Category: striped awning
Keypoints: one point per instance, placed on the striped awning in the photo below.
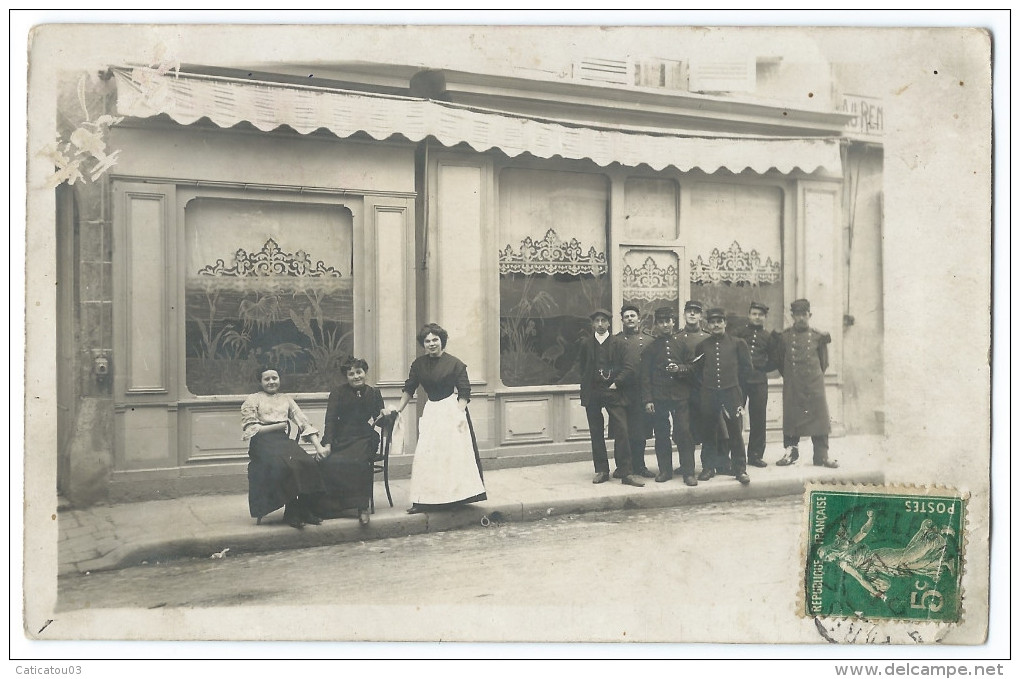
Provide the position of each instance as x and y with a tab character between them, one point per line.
186	98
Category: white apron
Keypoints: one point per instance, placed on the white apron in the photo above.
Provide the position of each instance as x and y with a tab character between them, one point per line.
444	468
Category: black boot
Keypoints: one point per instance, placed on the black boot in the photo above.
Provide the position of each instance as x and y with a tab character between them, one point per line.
292	515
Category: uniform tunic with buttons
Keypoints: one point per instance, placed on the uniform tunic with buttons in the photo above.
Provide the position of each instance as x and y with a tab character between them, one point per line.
802	357
760	344
656	383
724	367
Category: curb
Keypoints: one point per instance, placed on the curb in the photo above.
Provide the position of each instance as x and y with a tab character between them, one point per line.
273	537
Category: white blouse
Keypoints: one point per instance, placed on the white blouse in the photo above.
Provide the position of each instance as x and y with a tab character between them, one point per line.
261	408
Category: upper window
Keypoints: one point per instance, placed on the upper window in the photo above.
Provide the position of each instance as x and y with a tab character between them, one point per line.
553	271
735	249
267	283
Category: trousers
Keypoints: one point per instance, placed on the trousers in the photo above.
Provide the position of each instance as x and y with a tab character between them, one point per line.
621	442
679	412
718	411
757	400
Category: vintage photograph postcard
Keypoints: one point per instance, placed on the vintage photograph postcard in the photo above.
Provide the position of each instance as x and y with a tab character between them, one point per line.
509	333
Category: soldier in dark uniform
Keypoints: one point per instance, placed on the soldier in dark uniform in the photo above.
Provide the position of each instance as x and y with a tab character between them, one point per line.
722	371
802	355
636	340
692	334
760	343
666	389
606	370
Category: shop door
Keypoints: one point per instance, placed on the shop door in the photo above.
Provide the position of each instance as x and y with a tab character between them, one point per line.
653	276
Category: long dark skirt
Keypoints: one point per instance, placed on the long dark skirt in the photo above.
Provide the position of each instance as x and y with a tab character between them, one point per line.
279	471
347	476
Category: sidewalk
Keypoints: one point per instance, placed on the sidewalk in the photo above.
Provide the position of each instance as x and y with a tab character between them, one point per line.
118	536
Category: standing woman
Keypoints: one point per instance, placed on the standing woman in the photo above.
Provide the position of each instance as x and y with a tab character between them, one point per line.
446	468
280	473
351	413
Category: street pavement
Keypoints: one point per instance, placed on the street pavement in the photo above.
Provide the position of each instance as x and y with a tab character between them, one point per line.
108	537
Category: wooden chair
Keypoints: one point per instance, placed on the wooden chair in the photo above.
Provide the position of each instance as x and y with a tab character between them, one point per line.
381	461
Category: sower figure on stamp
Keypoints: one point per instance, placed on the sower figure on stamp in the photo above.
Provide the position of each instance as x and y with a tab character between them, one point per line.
636	341
722	372
802	355
692	335
760	343
605	370
666	390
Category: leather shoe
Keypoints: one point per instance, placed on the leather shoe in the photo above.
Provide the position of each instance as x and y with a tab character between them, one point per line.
363	517
646	473
690	480
633	480
706	474
312	519
743	478
415	509
831	464
662	477
758	463
601	477
617	474
792	455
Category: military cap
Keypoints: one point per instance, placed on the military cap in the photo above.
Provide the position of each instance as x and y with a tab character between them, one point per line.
760	307
664	312
629	307
694	304
716	312
600	312
800	306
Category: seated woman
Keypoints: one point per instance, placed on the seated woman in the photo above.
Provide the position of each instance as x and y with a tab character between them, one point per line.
351	413
280	473
446	471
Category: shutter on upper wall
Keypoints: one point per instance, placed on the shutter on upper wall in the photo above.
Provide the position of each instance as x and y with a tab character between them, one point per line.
723	75
592	69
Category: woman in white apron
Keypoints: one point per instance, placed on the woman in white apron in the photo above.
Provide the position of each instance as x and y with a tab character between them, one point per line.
446	468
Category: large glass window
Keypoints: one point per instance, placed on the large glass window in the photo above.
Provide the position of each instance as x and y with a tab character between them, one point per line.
553	271
734	234
267	283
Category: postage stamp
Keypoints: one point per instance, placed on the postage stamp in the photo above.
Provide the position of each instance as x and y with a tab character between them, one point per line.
884	552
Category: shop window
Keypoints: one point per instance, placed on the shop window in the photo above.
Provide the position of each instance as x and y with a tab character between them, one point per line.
553	271
266	283
734	234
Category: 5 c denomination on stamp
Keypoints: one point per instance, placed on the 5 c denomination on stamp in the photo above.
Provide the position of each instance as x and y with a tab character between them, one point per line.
884	552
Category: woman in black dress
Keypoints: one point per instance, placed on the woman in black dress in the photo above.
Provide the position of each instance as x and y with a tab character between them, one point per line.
446	469
350	435
280	473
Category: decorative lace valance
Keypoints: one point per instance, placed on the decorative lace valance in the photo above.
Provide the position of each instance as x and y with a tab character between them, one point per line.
649	282
735	267
271	261
551	256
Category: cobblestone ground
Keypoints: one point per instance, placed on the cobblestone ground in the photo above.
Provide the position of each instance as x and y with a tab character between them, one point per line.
684	555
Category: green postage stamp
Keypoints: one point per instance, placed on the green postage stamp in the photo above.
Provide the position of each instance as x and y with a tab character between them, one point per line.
884	552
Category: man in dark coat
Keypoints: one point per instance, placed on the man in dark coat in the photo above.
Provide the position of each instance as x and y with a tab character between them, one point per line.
722	371
638	425
802	355
760	343
666	390
606	371
693	334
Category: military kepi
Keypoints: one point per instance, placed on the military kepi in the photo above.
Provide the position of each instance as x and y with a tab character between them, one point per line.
800	306
760	307
716	312
664	312
600	312
693	304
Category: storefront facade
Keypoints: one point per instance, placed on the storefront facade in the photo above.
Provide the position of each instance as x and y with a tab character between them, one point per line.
253	222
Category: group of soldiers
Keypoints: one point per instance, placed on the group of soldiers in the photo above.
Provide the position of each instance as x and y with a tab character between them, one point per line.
690	386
